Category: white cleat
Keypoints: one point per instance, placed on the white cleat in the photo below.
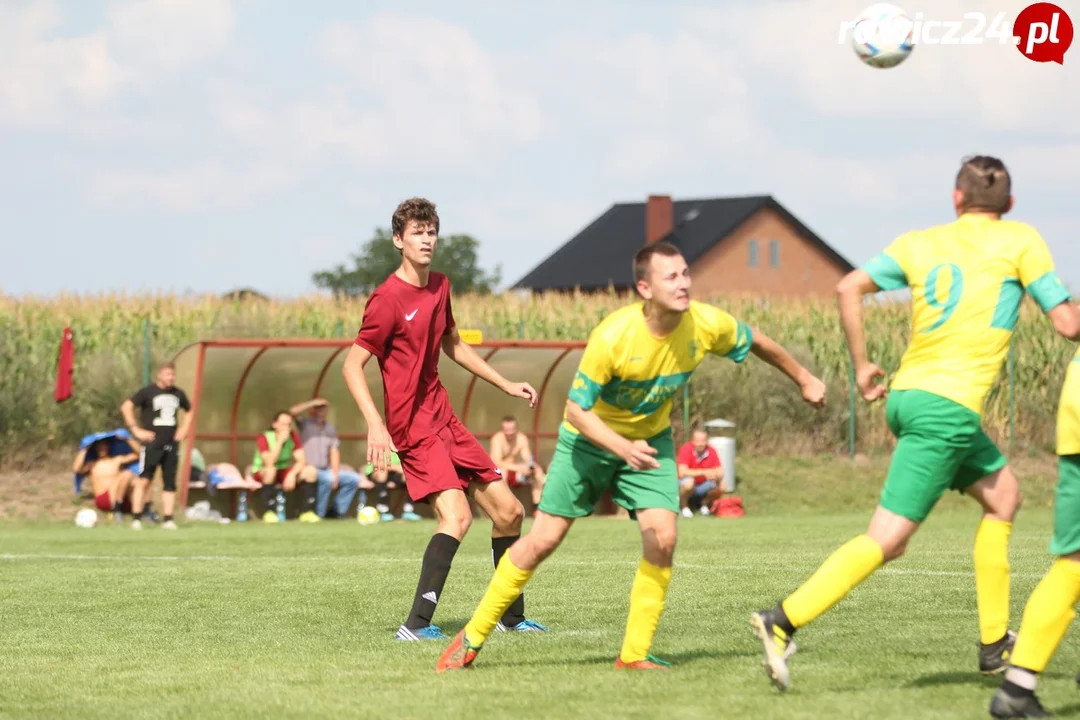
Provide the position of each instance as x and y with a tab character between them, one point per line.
778	649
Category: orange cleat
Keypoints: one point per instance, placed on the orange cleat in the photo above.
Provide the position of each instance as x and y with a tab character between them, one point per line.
649	663
458	656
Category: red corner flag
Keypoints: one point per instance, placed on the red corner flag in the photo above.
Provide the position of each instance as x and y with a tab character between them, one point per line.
64	367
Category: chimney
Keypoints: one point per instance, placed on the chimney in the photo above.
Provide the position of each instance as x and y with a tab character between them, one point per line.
659	217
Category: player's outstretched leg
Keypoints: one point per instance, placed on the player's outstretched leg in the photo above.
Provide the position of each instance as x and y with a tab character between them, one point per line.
999	494
506	513
845	569
1050	609
512	574
454	518
649	591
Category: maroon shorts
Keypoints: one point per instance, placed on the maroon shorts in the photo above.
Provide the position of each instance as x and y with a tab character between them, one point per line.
102	501
451	459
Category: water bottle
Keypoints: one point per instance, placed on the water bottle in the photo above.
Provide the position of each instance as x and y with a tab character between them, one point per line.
280	506
241	509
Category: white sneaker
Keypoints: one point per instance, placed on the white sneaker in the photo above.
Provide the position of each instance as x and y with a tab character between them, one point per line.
168	525
136	524
687	513
704	510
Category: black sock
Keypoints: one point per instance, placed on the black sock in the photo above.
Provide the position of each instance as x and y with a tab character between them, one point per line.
270	496
167	518
118	506
309	496
436	566
516	612
1011	688
382	498
780	618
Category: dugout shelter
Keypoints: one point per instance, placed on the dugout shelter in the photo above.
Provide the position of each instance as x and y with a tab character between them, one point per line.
237	385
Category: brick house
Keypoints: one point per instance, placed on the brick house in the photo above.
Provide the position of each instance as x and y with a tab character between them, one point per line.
733	245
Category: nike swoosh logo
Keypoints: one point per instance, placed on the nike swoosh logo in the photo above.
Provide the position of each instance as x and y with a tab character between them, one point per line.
410	316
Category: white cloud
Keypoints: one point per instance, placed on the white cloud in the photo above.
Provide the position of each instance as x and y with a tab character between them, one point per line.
208	185
44	79
991	84
171	34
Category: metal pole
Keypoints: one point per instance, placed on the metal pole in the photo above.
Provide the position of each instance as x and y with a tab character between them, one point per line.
851	411
686	409
521	329
339	330
146	352
1012	395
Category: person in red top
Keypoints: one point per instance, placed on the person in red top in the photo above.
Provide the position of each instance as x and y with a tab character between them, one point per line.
700	473
408	320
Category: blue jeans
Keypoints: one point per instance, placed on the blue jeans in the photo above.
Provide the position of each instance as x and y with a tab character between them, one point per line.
348	483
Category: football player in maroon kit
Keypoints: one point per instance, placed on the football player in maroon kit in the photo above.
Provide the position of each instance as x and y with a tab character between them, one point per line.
407	321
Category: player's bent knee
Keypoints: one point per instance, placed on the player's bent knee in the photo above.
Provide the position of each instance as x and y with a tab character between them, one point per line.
508	519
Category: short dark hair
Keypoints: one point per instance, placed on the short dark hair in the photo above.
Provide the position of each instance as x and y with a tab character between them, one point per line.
986	184
509	418
168	365
279	413
419	209
644	256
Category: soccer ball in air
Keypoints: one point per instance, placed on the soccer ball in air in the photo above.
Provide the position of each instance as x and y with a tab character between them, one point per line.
883	36
367	516
86	518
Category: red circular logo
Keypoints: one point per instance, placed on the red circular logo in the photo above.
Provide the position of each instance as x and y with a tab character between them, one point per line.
1043	33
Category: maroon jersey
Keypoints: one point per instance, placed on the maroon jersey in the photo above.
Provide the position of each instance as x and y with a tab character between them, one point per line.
403	327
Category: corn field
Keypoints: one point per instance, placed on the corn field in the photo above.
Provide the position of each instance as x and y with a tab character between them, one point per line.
771	418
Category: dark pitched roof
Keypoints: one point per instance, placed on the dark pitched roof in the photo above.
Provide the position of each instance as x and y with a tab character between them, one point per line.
602	253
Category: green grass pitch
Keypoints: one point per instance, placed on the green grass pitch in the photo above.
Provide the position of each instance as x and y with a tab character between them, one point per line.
297	621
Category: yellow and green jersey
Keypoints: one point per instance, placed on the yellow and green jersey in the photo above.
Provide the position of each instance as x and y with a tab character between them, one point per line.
967	280
629	377
1068	417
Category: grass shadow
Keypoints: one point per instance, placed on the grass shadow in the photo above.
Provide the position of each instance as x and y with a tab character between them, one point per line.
677	659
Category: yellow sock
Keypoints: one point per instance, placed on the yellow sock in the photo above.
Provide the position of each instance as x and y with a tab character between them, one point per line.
1047	615
504	588
992	578
852	563
646	604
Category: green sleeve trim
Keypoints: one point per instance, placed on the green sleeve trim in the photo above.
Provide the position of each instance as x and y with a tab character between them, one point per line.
886	273
744	341
1049	291
584	391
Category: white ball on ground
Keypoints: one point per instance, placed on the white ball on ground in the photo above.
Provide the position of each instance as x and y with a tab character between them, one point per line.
86	518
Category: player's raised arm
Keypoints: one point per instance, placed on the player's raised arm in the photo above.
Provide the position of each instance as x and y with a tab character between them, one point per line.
1040	279
767	349
463	354
849	300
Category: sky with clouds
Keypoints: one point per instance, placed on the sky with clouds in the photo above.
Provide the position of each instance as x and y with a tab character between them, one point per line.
203	145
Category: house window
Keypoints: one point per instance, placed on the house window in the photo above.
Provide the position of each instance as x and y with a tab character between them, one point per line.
774	253
753	253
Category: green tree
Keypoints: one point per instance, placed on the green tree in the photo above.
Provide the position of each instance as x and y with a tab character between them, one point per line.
455	256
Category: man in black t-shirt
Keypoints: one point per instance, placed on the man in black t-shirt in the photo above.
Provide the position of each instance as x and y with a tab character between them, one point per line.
161	436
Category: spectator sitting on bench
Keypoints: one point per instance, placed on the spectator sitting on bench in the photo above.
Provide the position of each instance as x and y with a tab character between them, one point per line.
279	458
108	478
510	452
322	448
393	478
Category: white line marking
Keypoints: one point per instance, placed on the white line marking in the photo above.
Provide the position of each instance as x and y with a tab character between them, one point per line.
360	560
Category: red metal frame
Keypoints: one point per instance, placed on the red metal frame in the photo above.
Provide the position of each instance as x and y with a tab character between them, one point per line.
193	428
338	345
322	373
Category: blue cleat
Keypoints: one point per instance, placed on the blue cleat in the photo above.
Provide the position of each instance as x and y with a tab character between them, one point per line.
387	517
523	626
425	633
410	516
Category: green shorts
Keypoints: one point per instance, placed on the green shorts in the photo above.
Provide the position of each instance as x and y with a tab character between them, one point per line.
580	473
1066	538
941	446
